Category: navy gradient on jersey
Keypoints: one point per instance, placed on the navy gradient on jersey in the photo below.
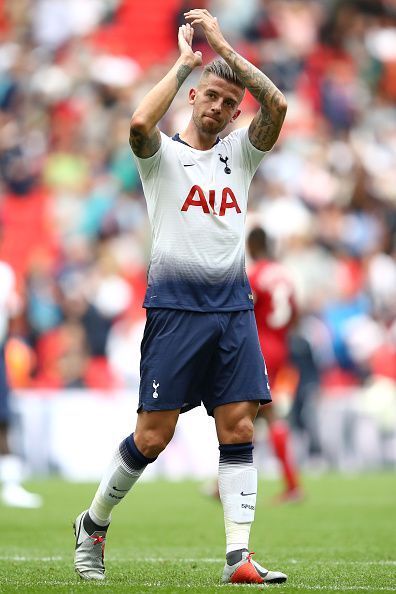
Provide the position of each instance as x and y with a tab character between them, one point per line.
194	296
189	358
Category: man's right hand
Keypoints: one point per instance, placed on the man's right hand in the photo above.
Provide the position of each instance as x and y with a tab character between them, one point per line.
145	137
185	37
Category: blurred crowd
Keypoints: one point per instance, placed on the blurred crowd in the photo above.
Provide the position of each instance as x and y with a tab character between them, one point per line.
72	213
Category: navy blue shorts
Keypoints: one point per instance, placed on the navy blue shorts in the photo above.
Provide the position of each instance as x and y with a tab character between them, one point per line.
189	358
4	390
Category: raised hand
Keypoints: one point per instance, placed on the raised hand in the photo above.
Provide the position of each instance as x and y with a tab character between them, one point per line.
185	38
265	127
209	24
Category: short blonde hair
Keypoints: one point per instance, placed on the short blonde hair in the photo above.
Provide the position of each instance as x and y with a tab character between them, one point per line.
221	69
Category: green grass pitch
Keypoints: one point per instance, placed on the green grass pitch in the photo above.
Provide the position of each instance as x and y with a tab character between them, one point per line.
168	538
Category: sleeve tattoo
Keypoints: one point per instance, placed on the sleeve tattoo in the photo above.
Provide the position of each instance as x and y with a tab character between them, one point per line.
266	125
181	75
144	146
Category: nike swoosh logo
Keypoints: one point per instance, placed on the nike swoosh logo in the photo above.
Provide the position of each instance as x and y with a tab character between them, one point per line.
120	490
78	544
189	165
244	494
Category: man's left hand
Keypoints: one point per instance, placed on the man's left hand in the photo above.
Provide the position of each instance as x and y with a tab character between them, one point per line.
210	26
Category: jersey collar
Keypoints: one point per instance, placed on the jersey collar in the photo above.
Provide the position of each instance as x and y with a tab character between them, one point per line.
177	138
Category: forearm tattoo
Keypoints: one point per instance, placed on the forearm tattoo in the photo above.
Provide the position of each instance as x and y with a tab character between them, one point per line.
265	127
181	74
144	145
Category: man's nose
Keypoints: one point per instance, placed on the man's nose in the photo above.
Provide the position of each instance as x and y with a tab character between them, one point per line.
216	106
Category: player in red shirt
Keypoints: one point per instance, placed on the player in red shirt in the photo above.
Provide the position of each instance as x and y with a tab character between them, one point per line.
276	312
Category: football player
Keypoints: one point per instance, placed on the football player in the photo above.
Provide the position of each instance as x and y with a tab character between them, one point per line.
12	492
200	343
276	312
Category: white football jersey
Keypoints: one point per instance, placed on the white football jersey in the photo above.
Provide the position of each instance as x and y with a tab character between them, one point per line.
197	202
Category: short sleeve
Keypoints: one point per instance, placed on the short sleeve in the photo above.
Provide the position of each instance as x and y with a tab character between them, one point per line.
251	156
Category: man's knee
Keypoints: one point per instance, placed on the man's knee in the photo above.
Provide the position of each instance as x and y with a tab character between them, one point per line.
234	422
239	431
244	430
154	430
151	442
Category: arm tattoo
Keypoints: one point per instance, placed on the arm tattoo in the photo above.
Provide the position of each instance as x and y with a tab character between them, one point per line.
146	143
264	130
144	146
181	75
265	127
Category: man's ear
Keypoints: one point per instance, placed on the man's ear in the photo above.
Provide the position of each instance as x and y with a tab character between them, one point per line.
191	96
236	114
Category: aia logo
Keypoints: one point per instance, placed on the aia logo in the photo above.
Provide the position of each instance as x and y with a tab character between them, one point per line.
196	197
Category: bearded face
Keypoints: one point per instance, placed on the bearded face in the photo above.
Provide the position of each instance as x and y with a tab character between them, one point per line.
215	104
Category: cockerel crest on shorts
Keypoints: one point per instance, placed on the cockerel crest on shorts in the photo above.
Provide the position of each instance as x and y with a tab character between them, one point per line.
155	386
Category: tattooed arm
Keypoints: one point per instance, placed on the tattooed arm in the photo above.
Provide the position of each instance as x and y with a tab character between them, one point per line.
265	127
267	123
144	136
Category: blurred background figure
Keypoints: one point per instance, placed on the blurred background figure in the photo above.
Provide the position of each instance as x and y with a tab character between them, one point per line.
11	465
276	313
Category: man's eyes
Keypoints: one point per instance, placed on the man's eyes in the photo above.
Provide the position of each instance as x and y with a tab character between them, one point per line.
211	95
